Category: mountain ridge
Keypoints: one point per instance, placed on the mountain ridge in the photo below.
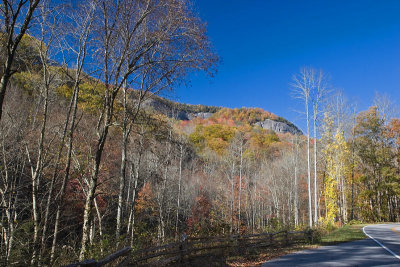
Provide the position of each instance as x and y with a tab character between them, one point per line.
256	116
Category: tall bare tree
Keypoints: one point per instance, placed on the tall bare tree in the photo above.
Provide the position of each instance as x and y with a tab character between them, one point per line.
386	107
78	37
295	153
15	19
301	88
319	92
47	27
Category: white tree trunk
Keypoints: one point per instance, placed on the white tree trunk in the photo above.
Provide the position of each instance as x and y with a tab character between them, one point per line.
310	217
315	168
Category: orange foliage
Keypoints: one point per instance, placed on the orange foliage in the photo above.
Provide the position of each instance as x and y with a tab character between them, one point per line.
245	115
145	200
394	130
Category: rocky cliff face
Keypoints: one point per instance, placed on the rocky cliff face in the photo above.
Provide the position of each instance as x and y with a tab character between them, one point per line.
278	127
179	111
202	115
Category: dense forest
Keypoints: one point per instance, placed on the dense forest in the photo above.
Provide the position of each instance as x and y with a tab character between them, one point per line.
86	168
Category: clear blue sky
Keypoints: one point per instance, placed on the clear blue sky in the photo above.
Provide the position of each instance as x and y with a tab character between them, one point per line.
262	43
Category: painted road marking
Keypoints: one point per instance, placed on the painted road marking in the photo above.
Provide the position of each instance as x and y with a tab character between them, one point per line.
380	244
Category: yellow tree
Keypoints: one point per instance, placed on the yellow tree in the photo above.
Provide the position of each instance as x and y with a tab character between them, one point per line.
330	185
342	169
335	152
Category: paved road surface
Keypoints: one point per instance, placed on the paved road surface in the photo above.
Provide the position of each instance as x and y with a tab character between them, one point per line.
365	252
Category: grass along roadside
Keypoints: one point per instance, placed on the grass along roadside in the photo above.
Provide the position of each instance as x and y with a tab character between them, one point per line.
343	234
346	233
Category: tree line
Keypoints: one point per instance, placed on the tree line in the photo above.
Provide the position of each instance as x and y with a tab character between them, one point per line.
355	154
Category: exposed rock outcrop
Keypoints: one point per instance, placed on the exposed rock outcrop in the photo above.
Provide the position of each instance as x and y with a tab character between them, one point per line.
202	115
179	111
278	127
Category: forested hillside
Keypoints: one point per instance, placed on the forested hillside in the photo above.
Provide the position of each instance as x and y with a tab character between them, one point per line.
92	159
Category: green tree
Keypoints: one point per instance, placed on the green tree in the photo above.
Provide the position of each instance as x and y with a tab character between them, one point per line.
377	165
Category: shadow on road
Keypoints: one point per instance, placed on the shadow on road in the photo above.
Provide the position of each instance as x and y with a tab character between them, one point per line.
358	253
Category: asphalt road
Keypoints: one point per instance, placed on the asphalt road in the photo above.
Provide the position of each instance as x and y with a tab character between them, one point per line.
382	248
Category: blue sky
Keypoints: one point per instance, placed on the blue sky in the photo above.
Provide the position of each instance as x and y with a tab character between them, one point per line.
262	43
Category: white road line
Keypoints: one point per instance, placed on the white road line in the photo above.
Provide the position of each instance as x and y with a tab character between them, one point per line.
380	244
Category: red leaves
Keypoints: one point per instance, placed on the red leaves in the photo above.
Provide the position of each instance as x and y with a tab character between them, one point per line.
200	214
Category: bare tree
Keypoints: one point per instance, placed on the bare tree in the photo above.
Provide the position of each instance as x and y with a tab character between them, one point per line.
182	152
135	163
13	163
239	146
229	170
302	87
295	153
43	46
77	43
16	18
386	107
319	92
311	87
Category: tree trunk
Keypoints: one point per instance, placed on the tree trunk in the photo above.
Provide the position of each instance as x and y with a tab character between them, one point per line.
36	173
131	221
87	214
53	180
67	164
310	217
296	196
232	195
240	184
11	20
179	191
315	167
125	135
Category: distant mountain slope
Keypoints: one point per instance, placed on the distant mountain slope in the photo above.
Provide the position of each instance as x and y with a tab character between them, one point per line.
252	116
